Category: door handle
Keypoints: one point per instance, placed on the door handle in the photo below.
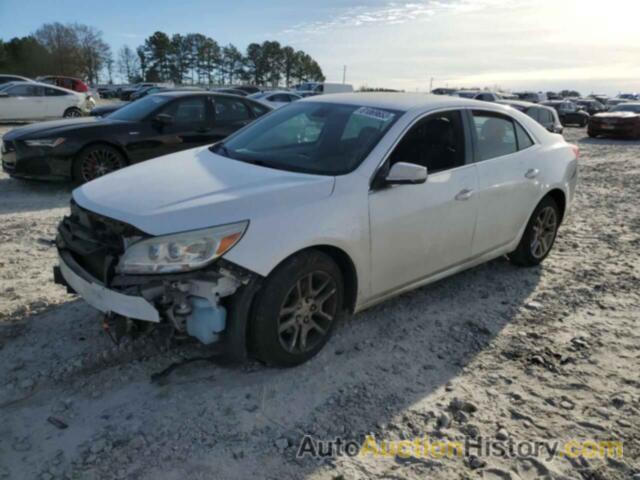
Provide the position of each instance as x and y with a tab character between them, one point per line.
465	194
532	173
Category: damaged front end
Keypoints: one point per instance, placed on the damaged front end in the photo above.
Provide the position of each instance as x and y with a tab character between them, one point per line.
93	253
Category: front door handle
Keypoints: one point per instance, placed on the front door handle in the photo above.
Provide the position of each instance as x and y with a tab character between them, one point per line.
532	173
465	194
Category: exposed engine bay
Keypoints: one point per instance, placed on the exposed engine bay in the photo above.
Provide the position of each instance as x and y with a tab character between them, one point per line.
193	303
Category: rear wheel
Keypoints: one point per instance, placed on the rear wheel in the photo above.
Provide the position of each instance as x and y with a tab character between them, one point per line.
539	236
72	112
96	161
297	310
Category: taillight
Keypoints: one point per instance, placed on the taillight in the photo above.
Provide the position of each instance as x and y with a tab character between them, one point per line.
576	151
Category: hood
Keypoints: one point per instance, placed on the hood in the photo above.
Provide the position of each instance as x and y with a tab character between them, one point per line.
197	189
104	109
616	115
56	127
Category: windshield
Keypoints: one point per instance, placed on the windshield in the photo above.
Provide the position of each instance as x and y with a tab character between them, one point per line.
635	108
311	137
137	110
4	86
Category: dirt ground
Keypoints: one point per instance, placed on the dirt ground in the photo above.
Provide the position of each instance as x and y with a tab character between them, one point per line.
550	353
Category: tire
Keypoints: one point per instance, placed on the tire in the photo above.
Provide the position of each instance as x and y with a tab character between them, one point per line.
291	323
96	161
72	112
591	134
533	247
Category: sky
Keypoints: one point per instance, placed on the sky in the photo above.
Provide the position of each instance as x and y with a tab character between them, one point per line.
589	45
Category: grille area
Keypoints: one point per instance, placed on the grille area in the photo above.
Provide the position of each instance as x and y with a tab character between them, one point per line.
96	242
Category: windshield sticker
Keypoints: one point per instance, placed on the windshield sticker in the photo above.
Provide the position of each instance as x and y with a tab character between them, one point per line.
369	112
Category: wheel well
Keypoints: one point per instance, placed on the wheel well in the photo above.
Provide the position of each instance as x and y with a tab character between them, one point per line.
560	199
347	268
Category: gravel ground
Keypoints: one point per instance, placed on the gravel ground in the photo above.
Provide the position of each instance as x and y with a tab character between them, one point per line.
549	353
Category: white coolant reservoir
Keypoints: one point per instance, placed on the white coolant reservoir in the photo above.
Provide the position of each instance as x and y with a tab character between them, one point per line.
206	321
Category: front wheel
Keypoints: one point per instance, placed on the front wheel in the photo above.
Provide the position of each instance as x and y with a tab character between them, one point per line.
297	309
539	235
72	113
96	161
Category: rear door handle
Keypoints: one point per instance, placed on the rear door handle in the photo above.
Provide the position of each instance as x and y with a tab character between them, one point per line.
465	194
532	173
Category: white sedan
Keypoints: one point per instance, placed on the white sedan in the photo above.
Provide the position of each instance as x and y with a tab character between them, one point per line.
275	98
329	205
21	101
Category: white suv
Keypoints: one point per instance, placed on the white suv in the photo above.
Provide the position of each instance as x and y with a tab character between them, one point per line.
328	205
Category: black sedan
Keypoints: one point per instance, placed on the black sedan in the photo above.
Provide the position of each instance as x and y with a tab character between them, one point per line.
569	112
86	148
592	107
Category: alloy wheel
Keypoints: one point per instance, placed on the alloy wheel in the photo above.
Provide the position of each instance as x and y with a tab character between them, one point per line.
73	113
99	162
307	312
544	232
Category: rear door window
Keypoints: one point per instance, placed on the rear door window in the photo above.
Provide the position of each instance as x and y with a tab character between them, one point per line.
535	113
187	113
495	134
54	92
25	91
546	117
230	111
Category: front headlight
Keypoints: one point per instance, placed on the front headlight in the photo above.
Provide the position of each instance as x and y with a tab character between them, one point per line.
45	142
181	252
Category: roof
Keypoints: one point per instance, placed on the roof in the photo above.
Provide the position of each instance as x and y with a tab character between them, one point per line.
189	93
183	93
39	84
519	103
396	100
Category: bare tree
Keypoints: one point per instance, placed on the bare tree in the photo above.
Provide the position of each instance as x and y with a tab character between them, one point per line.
62	42
75	49
92	50
128	63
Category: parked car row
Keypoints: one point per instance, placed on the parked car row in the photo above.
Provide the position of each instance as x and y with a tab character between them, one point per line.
87	148
604	116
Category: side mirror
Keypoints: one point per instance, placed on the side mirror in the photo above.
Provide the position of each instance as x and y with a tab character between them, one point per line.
403	173
163	119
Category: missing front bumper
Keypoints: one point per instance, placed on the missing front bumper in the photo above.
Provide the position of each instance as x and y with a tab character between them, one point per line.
102	298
